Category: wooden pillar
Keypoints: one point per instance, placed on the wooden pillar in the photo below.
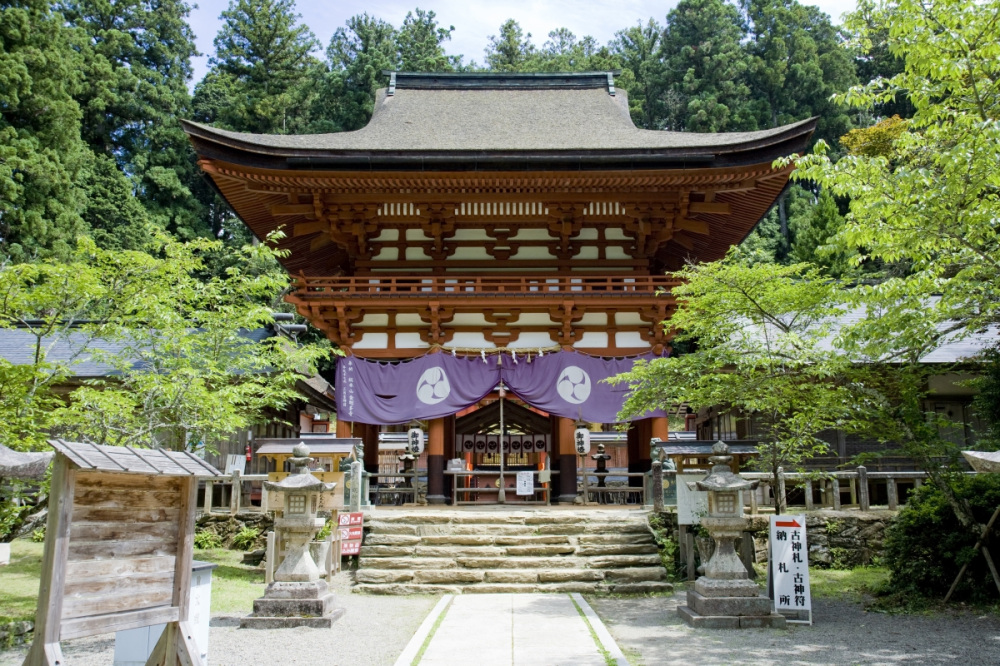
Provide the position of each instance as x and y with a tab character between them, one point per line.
567	459
435	462
344	429
659	427
890	486
863	502
449	451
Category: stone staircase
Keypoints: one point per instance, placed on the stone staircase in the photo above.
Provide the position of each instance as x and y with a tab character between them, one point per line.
546	550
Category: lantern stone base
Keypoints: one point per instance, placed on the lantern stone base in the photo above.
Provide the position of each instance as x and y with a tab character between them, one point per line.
729	612
294	604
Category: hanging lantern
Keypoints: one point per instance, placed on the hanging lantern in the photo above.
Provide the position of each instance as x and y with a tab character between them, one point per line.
582	439
415	441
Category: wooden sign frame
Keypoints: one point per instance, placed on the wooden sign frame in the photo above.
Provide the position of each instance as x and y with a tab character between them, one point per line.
118	548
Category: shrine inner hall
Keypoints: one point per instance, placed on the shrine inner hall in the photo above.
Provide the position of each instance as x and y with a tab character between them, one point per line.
488	228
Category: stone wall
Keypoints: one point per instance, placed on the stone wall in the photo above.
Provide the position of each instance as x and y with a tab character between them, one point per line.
837	539
227	526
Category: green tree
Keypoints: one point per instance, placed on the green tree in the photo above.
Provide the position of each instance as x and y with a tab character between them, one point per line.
761	333
196	370
814	236
358	54
637	49
705	68
511	50
137	64
420	44
262	61
116	218
41	155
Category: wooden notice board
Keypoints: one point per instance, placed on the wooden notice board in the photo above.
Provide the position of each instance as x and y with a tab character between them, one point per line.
118	548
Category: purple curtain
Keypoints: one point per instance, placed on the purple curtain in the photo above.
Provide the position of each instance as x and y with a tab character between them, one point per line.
427	387
569	384
565	384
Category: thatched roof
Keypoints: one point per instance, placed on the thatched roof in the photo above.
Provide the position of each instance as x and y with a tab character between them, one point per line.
535	116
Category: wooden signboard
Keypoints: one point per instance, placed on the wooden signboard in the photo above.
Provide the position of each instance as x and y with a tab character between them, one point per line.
118	548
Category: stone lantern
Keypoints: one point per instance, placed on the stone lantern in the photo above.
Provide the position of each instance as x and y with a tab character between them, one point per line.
602	459
299	596
725	597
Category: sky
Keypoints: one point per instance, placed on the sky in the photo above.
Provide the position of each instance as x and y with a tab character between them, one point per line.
474	20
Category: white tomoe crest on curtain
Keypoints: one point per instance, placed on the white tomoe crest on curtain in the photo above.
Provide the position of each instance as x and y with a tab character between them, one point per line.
573	385
433	386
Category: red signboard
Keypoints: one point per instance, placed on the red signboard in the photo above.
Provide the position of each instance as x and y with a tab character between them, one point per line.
351	531
349	519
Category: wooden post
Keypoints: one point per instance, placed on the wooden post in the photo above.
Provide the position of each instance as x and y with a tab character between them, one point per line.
917	483
853	481
270	553
436	461
583	473
747	554
782	500
45	647
235	493
835	485
209	489
692	573
863	488
753	502
890	486
657	486
809	495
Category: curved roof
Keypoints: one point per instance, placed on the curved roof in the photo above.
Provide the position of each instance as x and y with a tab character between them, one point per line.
482	117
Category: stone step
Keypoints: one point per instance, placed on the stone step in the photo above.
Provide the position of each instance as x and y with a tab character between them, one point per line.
596	587
598	550
607	562
624	539
463	576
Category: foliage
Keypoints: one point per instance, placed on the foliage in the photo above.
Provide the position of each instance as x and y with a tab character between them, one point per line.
20	582
705	68
667	546
263	57
925	547
987	400
855	584
38	535
814	233
41	154
760	332
246	538
205	540
933	202
197	369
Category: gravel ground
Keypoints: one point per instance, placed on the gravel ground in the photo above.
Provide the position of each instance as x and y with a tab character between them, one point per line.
372	632
650	633
375	630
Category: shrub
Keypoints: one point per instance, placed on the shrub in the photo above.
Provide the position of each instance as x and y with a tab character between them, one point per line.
205	540
246	538
38	536
926	546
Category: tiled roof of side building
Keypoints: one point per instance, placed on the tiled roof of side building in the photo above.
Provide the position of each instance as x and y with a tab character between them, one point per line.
506	117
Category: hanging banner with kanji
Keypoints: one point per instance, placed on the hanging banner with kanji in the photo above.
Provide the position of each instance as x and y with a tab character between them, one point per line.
790	567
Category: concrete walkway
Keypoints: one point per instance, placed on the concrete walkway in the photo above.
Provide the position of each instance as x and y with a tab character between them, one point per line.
512	630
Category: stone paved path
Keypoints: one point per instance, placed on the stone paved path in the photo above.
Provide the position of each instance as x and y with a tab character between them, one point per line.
513	629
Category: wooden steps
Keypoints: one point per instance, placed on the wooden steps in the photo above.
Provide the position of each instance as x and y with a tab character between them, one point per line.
545	550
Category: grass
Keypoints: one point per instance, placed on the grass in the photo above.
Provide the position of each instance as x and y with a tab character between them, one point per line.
430	635
847	584
593	634
19	591
234	584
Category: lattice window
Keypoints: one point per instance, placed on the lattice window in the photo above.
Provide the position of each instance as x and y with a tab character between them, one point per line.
296	504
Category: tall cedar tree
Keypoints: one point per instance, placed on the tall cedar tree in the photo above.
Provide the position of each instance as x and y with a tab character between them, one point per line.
137	57
637	49
357	55
260	70
41	154
705	68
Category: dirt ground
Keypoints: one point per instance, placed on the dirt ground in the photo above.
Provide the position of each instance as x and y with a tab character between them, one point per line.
650	633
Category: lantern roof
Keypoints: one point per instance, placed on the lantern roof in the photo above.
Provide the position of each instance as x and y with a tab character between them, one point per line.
721	478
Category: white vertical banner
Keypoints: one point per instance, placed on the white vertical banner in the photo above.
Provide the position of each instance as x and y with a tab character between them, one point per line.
789	564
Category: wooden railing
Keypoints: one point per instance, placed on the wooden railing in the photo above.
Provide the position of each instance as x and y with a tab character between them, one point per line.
386	285
235	483
613	494
860	482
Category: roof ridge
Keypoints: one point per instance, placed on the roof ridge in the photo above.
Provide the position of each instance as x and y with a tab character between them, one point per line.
501	80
